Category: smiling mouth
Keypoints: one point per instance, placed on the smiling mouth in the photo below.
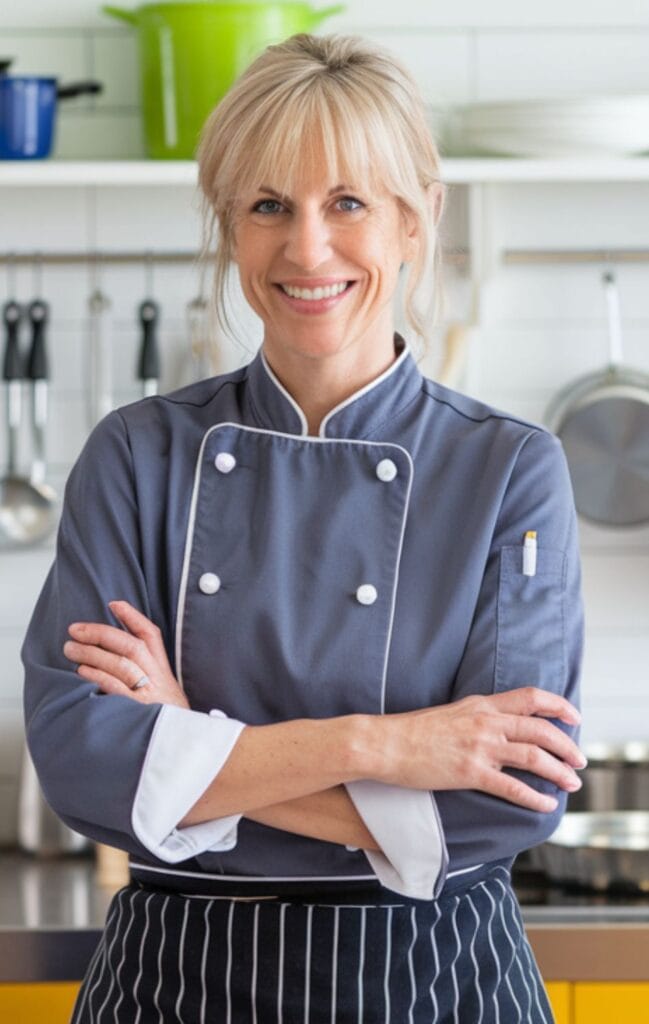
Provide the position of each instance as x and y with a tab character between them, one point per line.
330	291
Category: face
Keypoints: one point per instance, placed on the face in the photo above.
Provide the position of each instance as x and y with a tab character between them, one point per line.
320	266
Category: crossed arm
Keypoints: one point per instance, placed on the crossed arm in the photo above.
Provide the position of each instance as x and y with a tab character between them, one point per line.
291	775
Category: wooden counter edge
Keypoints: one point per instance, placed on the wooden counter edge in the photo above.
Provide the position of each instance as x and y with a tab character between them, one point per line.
588	952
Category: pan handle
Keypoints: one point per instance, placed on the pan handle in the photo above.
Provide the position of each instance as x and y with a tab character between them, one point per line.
38	373
66	92
614	318
12	372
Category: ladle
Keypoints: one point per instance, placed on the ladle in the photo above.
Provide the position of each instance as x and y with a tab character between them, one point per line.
27	507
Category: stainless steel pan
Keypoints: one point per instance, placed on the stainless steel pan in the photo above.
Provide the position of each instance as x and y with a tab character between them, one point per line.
603	422
598	849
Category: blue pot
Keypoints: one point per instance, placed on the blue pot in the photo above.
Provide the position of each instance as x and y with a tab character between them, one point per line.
28	113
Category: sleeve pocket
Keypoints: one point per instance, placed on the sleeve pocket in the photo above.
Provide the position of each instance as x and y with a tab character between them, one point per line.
530	647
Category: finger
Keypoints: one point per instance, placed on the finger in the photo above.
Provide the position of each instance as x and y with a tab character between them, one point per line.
140	626
127	671
106	682
110	638
516	791
530	700
544	734
531	758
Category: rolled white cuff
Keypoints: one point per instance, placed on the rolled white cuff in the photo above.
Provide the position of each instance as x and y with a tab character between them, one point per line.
186	752
413	859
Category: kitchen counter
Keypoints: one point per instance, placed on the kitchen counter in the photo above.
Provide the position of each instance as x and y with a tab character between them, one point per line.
52	912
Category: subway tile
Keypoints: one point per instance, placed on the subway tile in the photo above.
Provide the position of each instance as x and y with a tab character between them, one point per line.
616	591
115	64
63	56
99	135
29	566
535	65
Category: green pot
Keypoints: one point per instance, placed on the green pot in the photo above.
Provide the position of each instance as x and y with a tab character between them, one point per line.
191	53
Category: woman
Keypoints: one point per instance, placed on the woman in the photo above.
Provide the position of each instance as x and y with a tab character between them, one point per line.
322	726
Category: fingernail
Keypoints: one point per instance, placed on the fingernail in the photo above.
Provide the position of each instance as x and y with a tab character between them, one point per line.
573	783
75	627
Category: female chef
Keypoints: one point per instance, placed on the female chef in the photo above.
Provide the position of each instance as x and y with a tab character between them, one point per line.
309	647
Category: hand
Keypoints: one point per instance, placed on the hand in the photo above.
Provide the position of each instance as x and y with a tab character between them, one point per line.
117	659
466	744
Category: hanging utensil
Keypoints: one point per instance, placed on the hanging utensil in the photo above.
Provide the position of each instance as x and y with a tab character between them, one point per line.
149	359
27	514
202	357
100	362
603	421
38	373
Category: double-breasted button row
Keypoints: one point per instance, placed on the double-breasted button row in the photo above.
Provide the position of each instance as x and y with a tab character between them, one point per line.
366	594
209	583
386	469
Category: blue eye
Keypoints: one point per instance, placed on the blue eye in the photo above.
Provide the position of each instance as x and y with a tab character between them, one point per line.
267	206
348	204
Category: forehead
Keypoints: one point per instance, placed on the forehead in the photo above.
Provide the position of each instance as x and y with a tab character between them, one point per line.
313	161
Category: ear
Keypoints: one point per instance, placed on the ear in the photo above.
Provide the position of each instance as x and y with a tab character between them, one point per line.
410	235
436	194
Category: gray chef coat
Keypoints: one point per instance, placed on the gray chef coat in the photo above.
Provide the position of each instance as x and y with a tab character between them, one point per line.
374	568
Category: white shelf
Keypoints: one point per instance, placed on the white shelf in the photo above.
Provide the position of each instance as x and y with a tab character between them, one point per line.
116	173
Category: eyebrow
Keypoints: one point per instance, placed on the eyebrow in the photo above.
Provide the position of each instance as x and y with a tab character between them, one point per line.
278	195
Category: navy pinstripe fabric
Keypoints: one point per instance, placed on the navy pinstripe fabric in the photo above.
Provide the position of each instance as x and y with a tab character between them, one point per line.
167	958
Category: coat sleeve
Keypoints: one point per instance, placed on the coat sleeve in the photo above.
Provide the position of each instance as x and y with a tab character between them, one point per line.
115	770
526	631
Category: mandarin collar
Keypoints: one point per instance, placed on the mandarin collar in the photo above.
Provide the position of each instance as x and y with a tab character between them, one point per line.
356	417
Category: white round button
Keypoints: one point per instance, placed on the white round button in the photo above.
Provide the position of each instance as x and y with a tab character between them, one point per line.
366	594
209	583
225	462
386	470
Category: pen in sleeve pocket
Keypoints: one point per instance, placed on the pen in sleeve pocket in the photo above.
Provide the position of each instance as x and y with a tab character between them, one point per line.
529	553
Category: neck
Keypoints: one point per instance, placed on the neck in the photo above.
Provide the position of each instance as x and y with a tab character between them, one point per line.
319	384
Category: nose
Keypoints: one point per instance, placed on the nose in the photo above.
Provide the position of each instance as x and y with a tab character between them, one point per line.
309	243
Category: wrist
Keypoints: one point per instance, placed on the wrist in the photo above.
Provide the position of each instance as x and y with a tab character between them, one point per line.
366	747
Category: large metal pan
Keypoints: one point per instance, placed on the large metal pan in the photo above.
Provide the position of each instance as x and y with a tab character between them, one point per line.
616	778
603	422
598	849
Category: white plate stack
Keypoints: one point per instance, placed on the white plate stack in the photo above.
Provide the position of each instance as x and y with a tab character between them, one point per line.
588	126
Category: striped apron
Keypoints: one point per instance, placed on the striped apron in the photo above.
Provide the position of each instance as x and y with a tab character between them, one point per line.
463	958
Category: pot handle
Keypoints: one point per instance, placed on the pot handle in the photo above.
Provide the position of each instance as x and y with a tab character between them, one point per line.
614	320
327	12
66	92
119	12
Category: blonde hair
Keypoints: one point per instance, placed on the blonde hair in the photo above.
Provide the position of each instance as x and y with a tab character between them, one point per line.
340	96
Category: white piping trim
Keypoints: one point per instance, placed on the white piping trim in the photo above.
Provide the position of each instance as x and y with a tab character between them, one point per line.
278	384
341	405
395	582
362	391
273	878
305	439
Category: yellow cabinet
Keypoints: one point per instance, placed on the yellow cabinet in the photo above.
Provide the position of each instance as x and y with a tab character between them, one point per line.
559	994
36	1003
602	1002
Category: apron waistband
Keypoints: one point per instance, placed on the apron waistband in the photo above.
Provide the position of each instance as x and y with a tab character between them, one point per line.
364	891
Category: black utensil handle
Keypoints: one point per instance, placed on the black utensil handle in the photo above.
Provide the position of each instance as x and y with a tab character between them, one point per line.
149	361
66	92
12	364
37	362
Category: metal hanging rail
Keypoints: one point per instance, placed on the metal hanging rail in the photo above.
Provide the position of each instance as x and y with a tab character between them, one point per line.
575	255
17	259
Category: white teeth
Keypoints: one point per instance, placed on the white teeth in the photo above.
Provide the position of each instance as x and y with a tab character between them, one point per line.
313	294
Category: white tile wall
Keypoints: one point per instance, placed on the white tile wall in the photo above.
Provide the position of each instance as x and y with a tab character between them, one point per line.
542	326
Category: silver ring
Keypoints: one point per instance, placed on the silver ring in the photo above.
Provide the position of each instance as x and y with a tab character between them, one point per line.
142	681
